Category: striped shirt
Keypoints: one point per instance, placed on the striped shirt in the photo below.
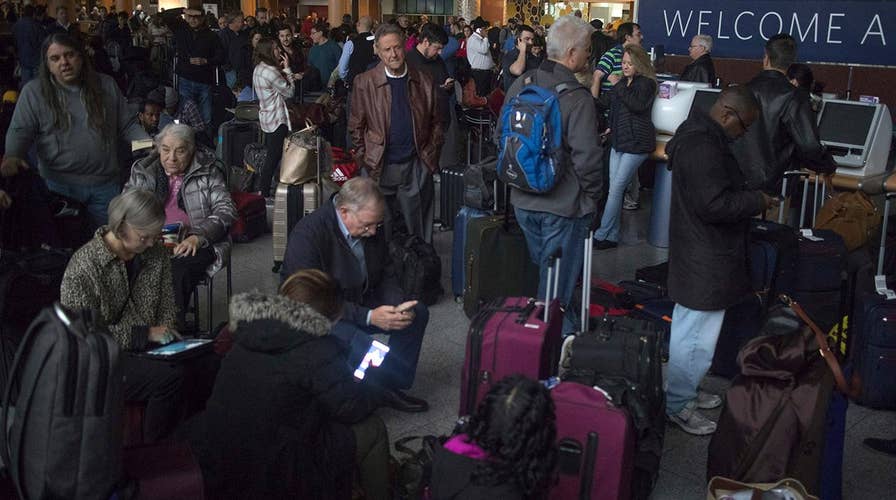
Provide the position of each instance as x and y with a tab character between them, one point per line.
610	64
272	89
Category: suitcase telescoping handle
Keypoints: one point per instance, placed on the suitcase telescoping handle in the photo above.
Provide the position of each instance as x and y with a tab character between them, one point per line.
550	289
587	472
586	281
787	175
883	234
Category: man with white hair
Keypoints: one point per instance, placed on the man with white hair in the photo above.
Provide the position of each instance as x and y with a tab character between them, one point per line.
701	68
561	218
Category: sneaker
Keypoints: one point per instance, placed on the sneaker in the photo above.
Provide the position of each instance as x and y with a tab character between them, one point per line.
692	422
707	401
605	244
630	205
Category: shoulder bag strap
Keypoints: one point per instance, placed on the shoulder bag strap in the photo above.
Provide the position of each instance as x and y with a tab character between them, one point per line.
823	349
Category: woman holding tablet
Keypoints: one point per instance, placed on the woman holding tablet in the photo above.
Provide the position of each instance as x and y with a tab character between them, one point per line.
124	274
286	418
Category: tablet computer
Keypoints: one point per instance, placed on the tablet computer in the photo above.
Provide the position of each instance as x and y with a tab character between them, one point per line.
180	349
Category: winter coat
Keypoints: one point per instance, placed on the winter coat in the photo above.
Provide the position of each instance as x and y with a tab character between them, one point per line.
786	135
96	279
582	185
452	479
631	125
317	242
277	422
700	70
710	217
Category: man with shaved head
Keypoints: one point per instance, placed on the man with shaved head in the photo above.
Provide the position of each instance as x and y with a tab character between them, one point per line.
711	210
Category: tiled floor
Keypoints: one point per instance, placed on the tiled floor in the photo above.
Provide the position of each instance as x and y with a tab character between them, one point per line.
866	475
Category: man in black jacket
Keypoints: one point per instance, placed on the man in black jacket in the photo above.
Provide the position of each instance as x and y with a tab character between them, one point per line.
237	51
787	135
707	247
199	53
425	57
701	68
342	238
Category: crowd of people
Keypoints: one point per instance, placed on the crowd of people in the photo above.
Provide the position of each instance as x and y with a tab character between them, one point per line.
86	95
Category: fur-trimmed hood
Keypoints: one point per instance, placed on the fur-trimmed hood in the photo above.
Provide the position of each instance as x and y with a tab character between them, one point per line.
262	322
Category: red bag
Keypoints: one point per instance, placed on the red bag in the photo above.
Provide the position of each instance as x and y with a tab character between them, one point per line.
251	219
344	166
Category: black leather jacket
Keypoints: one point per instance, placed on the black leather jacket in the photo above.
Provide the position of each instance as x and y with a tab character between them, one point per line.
700	70
786	135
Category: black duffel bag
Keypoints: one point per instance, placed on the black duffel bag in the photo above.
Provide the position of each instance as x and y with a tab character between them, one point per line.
418	267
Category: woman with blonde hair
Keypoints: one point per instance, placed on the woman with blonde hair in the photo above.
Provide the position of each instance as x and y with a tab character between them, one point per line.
632	135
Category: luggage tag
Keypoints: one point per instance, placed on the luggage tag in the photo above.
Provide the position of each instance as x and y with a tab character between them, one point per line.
880	284
807	233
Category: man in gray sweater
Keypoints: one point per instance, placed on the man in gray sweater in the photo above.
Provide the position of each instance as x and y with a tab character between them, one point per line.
76	119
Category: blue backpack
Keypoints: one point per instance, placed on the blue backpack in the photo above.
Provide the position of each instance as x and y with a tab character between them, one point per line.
531	155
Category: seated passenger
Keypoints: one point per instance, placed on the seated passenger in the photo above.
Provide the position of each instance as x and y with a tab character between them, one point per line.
342	239
286	418
506	451
124	275
194	193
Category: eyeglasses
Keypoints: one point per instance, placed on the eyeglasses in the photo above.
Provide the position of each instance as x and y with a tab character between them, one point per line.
366	228
737	115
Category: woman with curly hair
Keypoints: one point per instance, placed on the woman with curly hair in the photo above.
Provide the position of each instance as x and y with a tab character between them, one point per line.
507	449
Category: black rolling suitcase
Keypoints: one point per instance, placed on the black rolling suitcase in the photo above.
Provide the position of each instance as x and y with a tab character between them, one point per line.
451	194
233	137
874	350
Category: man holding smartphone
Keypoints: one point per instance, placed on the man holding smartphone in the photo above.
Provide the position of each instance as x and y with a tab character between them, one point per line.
343	239
425	57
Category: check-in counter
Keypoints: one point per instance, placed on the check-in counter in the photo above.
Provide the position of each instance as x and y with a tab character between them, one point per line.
661	208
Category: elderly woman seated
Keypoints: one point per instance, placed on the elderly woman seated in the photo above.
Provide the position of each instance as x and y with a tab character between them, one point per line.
124	275
194	193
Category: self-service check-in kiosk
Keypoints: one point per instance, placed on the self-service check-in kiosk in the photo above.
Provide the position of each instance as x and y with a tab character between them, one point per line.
667	115
857	134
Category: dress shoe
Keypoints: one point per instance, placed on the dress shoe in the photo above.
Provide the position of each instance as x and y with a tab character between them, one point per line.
402	402
605	244
885	446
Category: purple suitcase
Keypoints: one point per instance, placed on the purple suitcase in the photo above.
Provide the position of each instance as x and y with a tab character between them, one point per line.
597	444
509	336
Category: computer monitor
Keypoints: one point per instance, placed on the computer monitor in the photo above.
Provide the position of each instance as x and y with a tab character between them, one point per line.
857	134
704	99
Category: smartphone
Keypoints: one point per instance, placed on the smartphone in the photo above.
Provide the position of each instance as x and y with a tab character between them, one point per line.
406	306
375	356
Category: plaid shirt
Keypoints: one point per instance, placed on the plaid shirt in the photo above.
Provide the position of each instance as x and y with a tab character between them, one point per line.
272	90
190	115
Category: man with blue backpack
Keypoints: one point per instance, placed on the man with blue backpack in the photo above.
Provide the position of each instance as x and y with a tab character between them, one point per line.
549	153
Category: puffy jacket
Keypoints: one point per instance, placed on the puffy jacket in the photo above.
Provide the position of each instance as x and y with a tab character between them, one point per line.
203	195
277	423
371	107
786	134
631	126
710	217
700	70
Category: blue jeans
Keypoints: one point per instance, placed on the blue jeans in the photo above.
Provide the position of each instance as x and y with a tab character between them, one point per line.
545	233
200	93
623	166
691	346
400	366
95	196
230	78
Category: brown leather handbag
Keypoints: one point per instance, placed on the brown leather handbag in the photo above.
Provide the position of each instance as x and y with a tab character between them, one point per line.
852	215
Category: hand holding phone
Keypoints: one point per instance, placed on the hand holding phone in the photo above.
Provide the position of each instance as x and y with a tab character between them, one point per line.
375	356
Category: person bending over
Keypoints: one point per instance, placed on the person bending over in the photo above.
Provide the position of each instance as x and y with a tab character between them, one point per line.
286	418
124	275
